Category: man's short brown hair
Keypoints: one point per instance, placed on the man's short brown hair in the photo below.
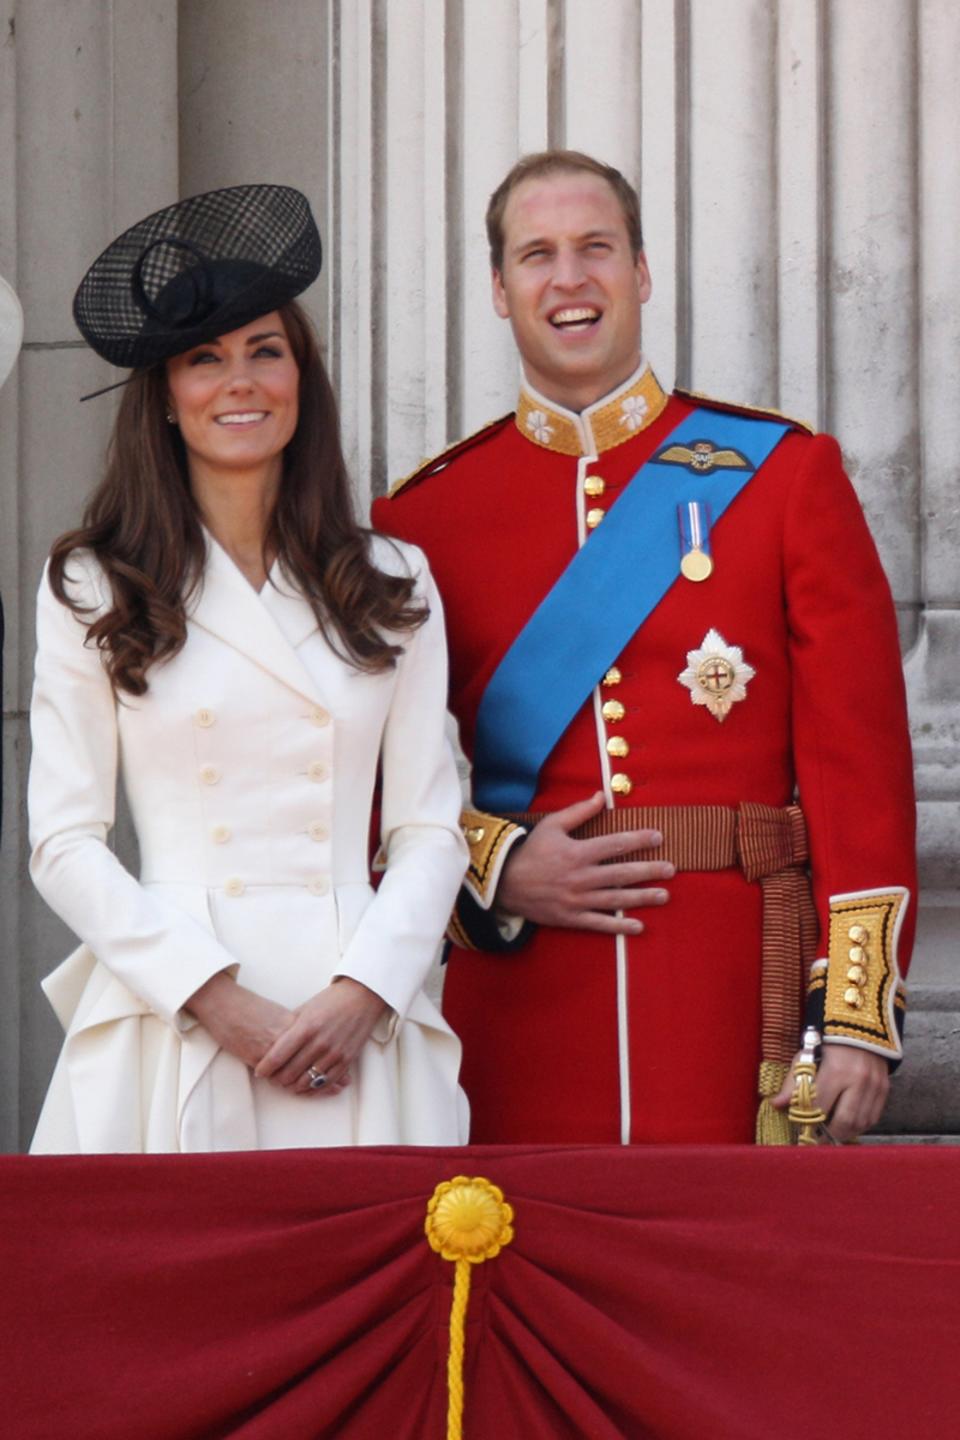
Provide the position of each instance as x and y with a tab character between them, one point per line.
560	162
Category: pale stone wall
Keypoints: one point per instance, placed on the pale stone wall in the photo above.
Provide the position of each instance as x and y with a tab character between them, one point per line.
796	164
88	128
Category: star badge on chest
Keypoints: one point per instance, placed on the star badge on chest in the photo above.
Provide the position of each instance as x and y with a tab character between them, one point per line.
716	675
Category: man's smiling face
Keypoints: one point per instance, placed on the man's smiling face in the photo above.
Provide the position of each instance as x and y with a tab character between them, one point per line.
571	287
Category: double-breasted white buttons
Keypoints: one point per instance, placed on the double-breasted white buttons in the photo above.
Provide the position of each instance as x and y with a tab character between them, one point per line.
318	831
204	718
209	775
234	887
319	885
220	834
319	716
317	771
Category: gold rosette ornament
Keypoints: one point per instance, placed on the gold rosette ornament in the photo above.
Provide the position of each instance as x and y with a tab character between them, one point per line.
468	1221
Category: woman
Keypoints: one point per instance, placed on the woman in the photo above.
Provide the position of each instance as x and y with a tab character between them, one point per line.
221	629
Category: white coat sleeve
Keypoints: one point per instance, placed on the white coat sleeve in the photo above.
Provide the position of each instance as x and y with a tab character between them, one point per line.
396	940
160	953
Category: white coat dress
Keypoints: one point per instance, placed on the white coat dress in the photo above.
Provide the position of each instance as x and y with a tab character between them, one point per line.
249	767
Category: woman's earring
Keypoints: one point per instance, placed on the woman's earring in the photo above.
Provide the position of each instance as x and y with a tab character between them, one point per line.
171	418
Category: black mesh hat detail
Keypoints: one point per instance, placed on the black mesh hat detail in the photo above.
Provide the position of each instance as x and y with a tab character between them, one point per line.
196	270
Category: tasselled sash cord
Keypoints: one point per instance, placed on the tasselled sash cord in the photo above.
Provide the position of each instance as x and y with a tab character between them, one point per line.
769	845
773	849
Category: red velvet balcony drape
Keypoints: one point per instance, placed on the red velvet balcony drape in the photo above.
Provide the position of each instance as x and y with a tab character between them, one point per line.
675	1294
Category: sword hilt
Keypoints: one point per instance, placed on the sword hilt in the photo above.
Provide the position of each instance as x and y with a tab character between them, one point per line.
805	1111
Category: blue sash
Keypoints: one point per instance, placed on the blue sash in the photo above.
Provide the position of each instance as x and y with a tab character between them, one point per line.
611	585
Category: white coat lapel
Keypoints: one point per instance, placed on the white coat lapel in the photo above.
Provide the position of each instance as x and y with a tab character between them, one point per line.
229	607
287	608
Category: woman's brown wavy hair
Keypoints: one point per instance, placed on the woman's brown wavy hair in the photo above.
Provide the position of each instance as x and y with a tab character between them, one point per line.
143	525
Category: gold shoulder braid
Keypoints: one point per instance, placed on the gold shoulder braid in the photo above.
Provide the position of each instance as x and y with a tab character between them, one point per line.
437	462
761	412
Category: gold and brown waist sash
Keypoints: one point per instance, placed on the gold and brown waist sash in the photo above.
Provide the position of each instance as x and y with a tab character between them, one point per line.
768	845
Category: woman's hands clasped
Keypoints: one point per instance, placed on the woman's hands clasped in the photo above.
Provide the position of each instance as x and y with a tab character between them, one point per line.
320	1038
241	1021
324	1037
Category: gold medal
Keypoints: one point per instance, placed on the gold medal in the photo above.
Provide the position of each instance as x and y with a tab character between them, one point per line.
696	565
696	562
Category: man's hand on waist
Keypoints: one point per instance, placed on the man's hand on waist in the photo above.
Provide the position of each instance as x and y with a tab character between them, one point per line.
553	879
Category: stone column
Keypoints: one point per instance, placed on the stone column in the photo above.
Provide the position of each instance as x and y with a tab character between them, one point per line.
251	91
927	1093
89	113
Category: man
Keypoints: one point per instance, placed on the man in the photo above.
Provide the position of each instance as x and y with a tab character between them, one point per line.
668	655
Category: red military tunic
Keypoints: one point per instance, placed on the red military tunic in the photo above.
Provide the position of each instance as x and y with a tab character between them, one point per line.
580	1036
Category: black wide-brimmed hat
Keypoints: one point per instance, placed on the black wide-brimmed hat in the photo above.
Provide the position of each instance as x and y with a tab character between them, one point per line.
196	270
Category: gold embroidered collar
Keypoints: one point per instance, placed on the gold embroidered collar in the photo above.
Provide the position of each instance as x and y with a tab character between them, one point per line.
608	422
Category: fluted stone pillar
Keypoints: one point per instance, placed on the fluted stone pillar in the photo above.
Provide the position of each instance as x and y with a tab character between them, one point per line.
927	1095
250	92
10	880
88	144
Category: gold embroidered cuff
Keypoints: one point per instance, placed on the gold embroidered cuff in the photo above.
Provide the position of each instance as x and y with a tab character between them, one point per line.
489	839
862	989
457	933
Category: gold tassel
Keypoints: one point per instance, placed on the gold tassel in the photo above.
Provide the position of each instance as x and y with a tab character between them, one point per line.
773	1127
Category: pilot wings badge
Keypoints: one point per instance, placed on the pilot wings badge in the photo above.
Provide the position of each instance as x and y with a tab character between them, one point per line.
716	675
702	456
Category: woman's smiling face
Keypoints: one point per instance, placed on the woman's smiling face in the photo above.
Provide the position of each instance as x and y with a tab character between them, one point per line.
236	398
